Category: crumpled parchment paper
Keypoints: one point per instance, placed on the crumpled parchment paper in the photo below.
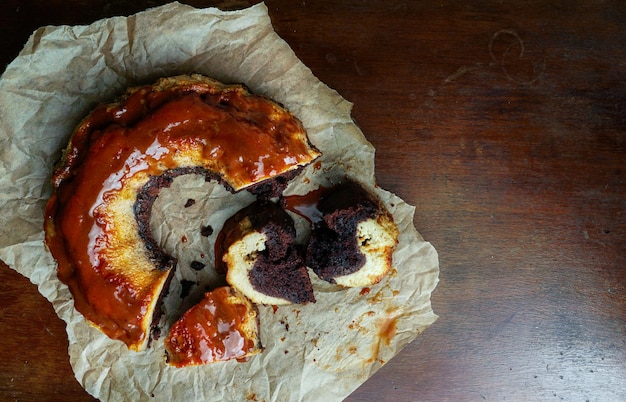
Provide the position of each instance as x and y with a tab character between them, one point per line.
320	351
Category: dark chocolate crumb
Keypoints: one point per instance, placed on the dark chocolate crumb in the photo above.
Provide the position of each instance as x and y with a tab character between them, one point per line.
206	231
286	324
156	333
186	288
197	265
190	202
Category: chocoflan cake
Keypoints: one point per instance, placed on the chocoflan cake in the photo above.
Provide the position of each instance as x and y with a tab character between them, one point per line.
122	154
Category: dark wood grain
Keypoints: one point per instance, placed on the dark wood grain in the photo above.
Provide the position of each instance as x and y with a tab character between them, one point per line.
505	124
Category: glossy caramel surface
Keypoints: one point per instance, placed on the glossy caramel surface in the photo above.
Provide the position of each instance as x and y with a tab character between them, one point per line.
222	326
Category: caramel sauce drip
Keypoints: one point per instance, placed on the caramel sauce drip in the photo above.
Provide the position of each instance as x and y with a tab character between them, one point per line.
244	139
388	329
213	330
306	205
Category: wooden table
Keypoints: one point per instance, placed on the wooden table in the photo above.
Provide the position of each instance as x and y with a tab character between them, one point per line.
505	124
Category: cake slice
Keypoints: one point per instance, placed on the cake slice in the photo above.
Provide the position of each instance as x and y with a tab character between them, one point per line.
223	326
257	251
353	241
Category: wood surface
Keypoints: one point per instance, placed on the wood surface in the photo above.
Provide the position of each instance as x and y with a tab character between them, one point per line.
504	122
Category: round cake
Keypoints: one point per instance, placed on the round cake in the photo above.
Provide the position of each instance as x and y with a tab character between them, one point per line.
121	155
353	237
256	249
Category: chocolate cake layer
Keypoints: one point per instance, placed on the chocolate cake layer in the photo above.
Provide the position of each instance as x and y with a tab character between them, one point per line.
257	251
354	238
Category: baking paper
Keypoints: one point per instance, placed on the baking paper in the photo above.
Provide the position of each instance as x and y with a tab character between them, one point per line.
313	352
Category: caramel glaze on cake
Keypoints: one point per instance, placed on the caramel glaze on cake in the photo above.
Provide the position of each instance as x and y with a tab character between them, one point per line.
224	325
353	237
97	219
256	249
